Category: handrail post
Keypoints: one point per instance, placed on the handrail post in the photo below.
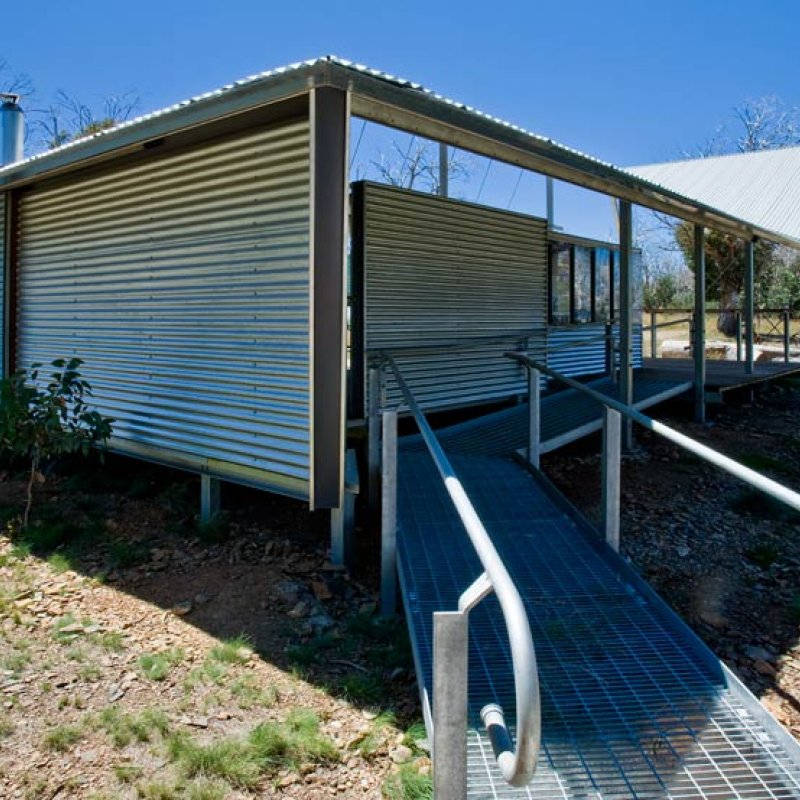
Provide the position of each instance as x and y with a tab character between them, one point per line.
534	416
450	686
389	514
653	334
610	350
374	434
612	441
787	322
738	335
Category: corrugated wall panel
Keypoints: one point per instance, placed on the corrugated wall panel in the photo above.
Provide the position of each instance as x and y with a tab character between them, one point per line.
183	283
440	272
585	359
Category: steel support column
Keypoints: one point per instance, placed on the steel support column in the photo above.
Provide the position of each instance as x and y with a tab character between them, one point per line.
612	462
444	170
389	514
626	314
699	343
749	304
330	125
209	498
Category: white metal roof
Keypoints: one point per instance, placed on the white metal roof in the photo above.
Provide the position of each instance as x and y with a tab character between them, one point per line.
762	187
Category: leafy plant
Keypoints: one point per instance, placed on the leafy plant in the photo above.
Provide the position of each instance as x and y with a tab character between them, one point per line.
40	423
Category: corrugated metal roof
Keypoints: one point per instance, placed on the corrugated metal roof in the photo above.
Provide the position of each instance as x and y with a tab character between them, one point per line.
763	187
395	101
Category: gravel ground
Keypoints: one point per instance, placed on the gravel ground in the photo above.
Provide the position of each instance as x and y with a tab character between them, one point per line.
725	557
139	652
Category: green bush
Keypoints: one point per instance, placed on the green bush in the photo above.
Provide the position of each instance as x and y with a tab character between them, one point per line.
41	422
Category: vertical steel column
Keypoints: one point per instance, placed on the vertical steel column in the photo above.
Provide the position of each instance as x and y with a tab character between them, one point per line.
653	335
209	498
612	429
699	342
738	336
749	303
551	203
626	314
444	170
611	366
374	435
787	334
329	112
389	515
534	417
450	685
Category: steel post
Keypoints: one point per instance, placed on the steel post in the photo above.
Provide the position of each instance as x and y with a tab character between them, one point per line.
653	335
374	436
787	334
626	314
209	498
749	290
444	170
389	514
612	429
534	417
450	685
610	365
738	336
699	342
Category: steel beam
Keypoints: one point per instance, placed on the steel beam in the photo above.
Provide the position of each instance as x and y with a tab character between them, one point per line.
699	344
450	685
749	304
626	314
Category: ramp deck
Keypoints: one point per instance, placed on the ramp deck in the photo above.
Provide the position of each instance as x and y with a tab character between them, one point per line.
633	704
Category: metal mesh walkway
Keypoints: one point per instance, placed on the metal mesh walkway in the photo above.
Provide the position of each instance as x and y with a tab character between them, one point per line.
566	416
633	706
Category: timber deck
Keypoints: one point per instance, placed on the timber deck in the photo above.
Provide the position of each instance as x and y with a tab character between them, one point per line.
721	376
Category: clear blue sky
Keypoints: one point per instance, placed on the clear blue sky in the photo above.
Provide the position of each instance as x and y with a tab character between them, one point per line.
630	82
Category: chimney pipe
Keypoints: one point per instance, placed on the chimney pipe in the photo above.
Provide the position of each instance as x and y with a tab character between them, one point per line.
12	129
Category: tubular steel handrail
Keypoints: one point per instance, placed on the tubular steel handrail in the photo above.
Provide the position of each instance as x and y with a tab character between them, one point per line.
517	765
681	321
749	476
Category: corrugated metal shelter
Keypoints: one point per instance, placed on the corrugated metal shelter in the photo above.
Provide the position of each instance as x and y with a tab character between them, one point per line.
196	258
763	186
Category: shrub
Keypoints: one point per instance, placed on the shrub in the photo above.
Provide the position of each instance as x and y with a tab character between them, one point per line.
40	423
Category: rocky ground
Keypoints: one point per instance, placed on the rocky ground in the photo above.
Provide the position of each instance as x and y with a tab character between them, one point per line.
144	656
724	556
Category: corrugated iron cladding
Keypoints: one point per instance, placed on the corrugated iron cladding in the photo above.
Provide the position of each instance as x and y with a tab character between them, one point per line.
586	359
440	272
183	283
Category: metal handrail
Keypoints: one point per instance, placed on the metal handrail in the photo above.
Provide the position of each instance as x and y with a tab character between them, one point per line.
516	764
681	321
749	476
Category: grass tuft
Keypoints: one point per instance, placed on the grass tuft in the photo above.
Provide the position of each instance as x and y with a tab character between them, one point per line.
408	784
157	666
125	728
233	651
62	737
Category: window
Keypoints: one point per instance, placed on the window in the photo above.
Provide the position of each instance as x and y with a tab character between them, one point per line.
560	284
584	283
582	303
602	285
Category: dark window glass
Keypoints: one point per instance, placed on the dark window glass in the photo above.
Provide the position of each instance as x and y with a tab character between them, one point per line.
602	285
560	285
583	285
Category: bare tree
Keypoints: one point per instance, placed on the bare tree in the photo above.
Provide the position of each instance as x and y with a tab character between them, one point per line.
417	166
69	118
14	82
766	124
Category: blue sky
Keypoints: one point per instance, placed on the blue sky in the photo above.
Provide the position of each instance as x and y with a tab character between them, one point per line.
630	82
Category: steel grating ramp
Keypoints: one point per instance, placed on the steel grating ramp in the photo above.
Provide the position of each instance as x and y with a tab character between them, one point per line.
633	705
566	416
